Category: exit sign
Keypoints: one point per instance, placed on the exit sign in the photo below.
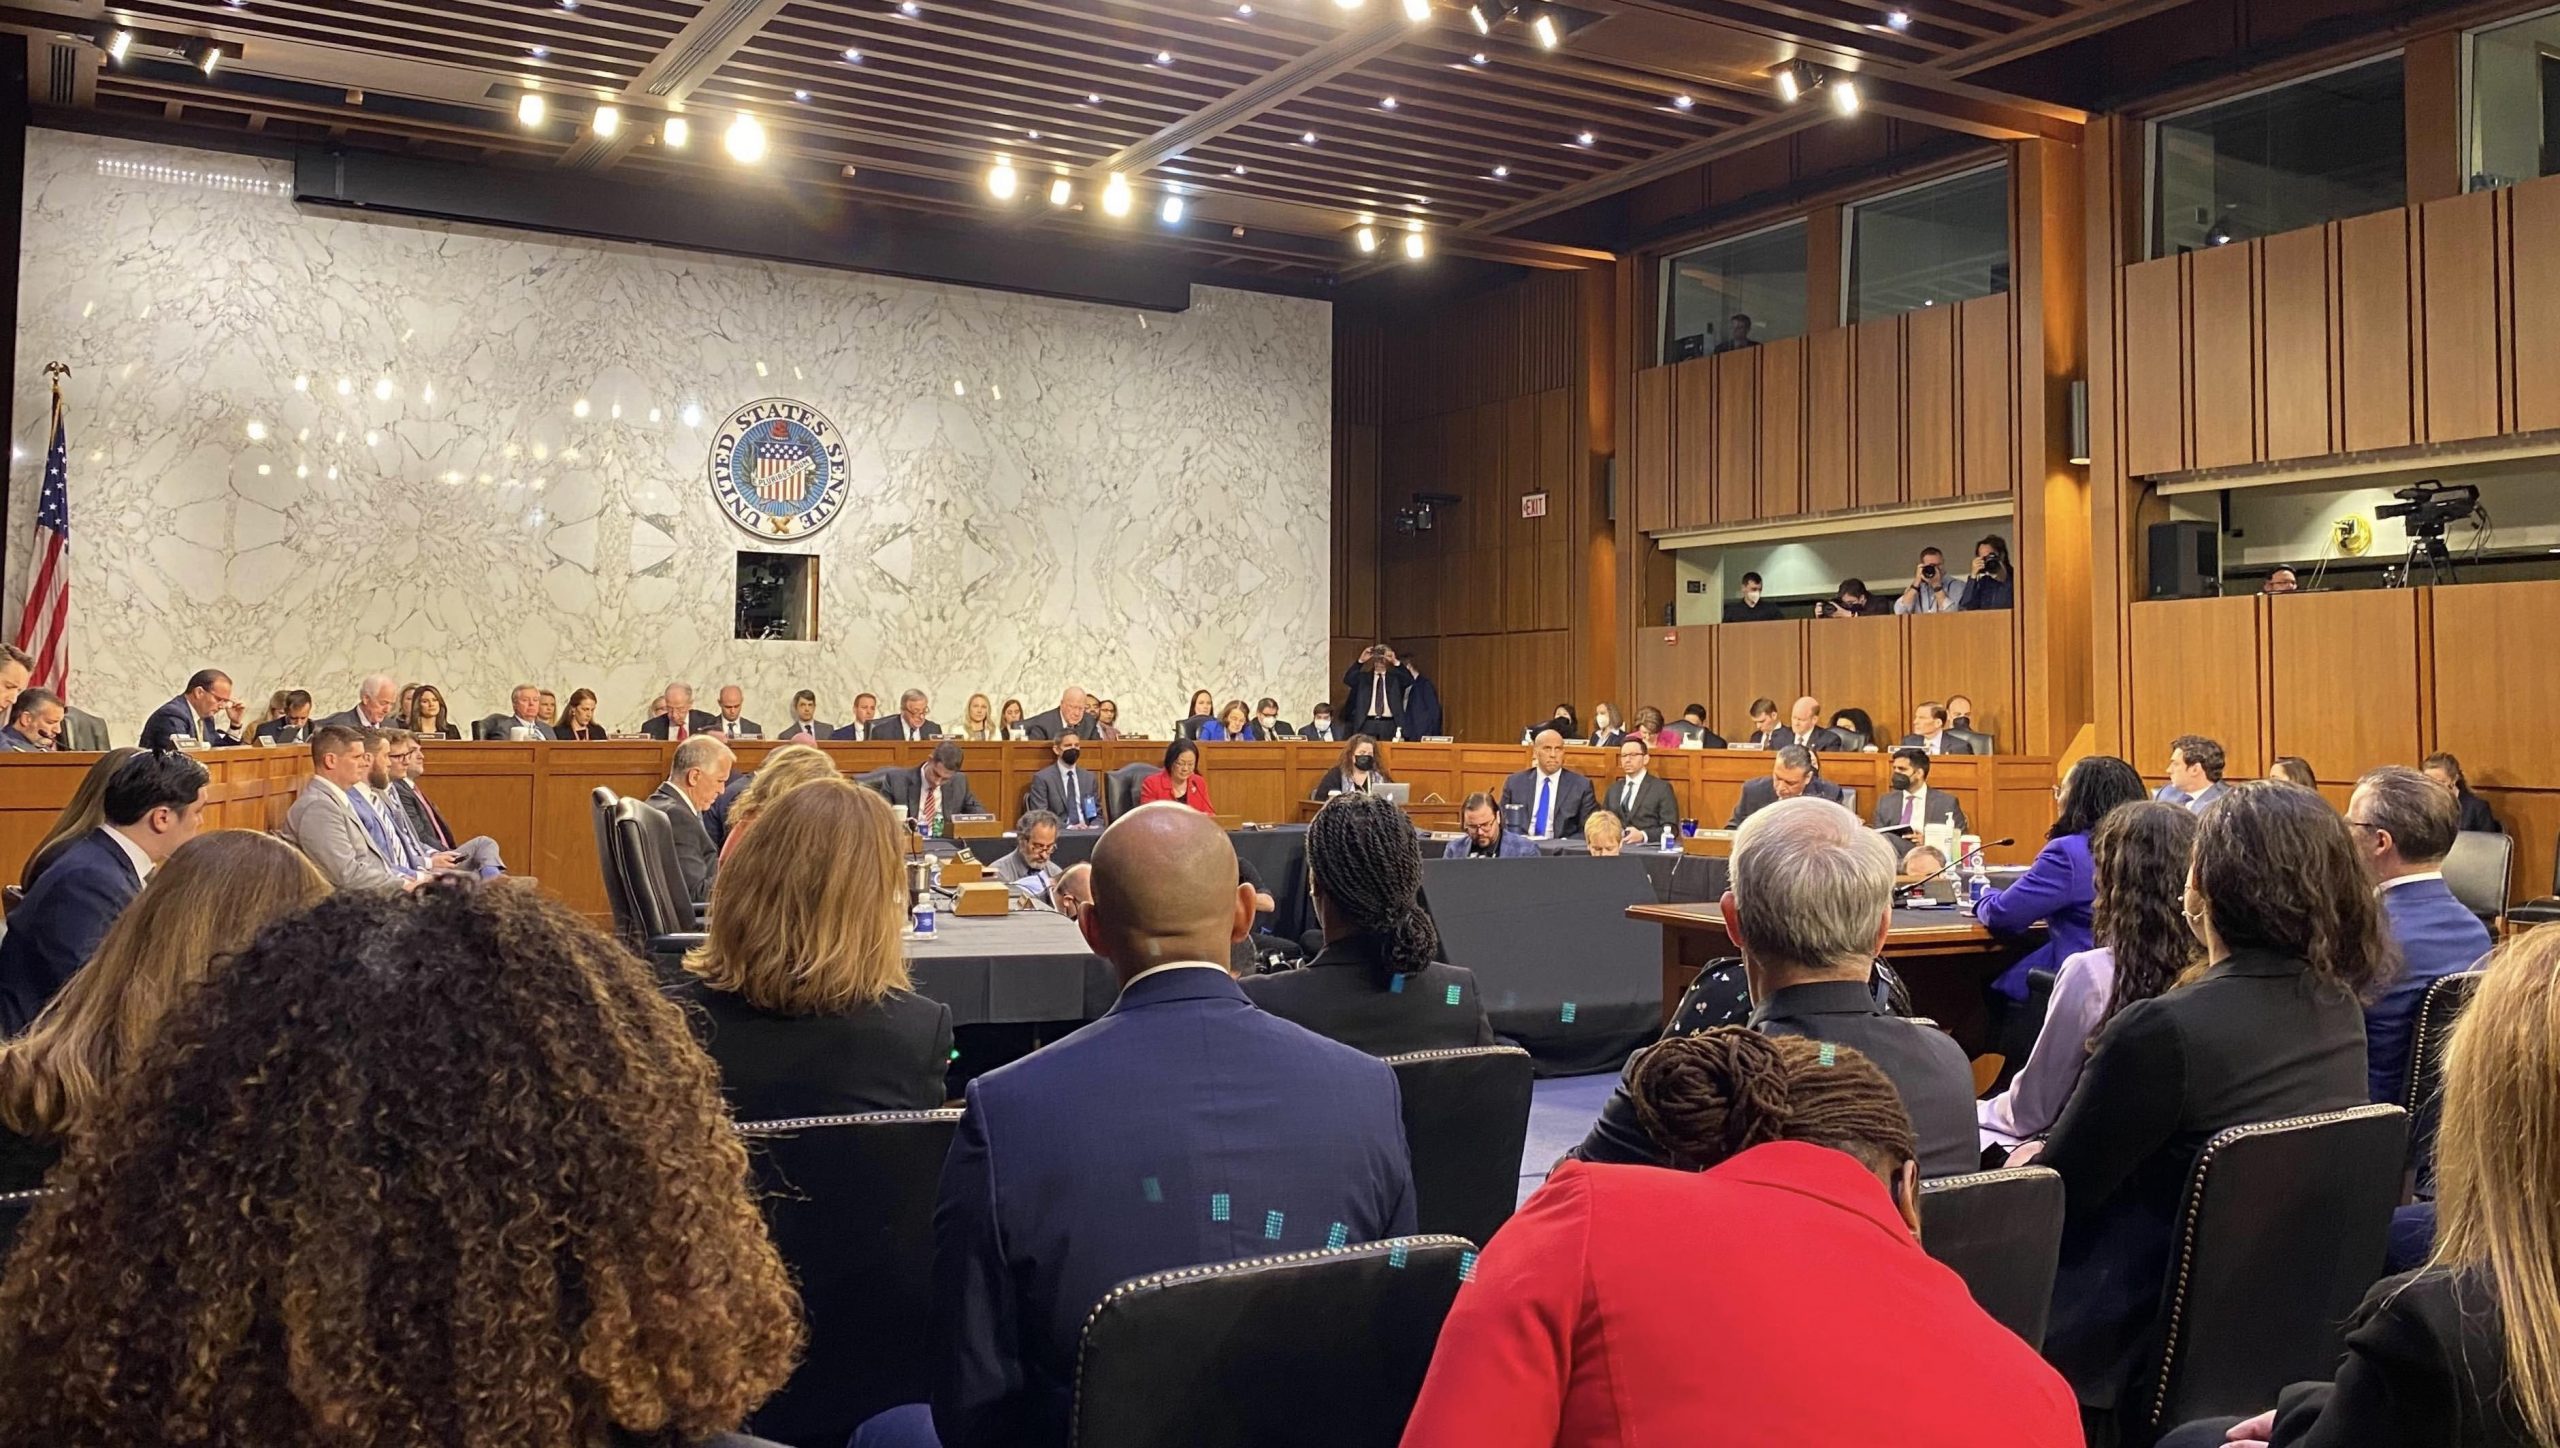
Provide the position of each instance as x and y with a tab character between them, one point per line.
1533	505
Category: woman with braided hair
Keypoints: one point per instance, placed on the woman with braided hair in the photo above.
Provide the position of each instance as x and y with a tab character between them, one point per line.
1770	1288
1378	984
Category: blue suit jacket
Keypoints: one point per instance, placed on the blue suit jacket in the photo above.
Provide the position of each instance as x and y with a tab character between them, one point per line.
55	930
174	718
2437	935
1184	1127
1508	845
2058	889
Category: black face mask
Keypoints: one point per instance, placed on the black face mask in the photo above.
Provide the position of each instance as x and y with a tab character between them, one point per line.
1364	762
1068	757
1902	781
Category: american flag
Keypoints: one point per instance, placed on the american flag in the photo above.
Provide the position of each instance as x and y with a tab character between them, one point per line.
782	468
44	629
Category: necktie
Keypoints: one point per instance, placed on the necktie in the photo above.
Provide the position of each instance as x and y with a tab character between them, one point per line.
932	808
427	812
1075	798
676	730
1378	696
1627	804
1911	808
411	851
1546	796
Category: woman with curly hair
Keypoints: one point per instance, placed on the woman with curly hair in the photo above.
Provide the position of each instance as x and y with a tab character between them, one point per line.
783	771
1585	1320
437	1168
212	896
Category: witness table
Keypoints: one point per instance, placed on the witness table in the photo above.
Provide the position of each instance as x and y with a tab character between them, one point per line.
1277	854
1027	967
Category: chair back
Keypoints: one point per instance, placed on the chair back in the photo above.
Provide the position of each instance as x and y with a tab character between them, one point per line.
15	1208
876	780
2423	1096
1466	1122
1120	787
2002	1233
644	850
1271	1352
1981	742
849	1200
12	896
617	886
2282	1229
2477	870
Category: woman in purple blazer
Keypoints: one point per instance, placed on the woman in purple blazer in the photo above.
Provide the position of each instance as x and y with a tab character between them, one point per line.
2060	886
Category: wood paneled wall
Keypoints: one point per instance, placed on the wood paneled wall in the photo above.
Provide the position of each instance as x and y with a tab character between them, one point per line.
1882	665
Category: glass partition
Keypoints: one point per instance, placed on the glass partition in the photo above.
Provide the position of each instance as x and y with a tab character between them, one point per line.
1734	293
1947	241
2300	154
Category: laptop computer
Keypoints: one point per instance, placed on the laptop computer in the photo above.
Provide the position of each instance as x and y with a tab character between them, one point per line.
1395	794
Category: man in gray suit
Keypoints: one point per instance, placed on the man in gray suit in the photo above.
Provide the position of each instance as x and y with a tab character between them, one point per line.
910	722
700	771
1911	802
805	726
524	723
936	792
323	823
377	699
1071	793
1035	842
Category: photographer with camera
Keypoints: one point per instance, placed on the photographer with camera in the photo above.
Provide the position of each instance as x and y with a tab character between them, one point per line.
1387	697
1991	585
1929	590
1851	602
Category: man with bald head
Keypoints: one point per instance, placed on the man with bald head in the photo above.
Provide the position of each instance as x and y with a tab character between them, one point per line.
1186	1126
1804	727
1547	801
1068	716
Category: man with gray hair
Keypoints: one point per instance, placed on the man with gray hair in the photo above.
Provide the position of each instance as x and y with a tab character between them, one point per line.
679	720
695	778
2403	826
910	723
377	699
1810	904
1035	845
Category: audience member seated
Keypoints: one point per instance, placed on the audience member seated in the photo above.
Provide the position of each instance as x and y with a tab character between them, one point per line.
800	988
1320	724
1791	773
377	704
551	709
2270	1030
331	821
214	895
677	718
1035	841
1764	723
1605	732
805	726
2402	824
910	722
1751	607
1354	770
2466	1351
935	790
2295	770
430	1169
1855	729
1009	721
2281	580
1960	716
1266	717
2059	887
427	715
1810	905
1184	1127
1991	585
523	721
293	726
35	723
1199	714
151	805
2138	856
418	824
80	817
784	770
2195	773
1583	1324
1920	864
1549	801
204	712
1378	984
978	720
1561	719
1910	802
1805	729
1851	601
17	668
866	712
578	719
1105	723
1066	789
1376	689
1604	835
1067	717
695	778
1074	890
1179	780
1484	836
1645	805
1930	590
1690	731
732	721
1930	731
1233	722
2474	814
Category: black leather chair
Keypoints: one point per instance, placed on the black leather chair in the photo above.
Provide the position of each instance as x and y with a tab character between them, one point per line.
15	1208
2002	1233
2422	1097
617	890
2282	1229
1466	1121
2479	871
849	1200
1120	788
2542	909
876	780
643	855
1321	1347
1981	742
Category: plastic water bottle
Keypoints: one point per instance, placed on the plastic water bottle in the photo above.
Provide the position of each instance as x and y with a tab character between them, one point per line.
1977	884
924	917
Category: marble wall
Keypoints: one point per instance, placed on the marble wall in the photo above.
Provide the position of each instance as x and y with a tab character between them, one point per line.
306	446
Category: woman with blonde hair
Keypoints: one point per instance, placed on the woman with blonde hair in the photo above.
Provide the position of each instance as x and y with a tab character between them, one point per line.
86	811
211	898
783	771
800	990
978	723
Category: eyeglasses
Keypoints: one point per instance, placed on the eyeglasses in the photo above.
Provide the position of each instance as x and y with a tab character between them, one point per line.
2364	825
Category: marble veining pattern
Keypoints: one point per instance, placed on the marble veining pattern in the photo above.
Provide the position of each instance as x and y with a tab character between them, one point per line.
306	445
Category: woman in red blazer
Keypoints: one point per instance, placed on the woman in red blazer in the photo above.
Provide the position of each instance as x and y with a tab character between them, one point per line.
1180	780
1778	1296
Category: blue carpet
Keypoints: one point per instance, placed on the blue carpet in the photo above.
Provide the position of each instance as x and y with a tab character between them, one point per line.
1560	1112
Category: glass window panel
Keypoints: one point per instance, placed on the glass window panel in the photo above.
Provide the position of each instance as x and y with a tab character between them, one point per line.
1706	291
2301	154
2515	101
1931	245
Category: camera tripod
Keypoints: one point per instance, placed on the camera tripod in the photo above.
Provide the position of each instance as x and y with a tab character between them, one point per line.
2427	552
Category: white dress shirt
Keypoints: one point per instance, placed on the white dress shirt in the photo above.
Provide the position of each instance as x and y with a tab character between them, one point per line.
142	863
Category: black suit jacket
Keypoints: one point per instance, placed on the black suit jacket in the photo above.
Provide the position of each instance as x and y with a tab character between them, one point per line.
1348	994
1822	737
1924	1063
282	731
2476	815
1048	790
175	718
906	787
887	1056
1657	807
1050	724
1574	802
1949	742
1359	692
1759	794
697	722
745	728
57	927
2253	1040
895	727
696	856
2426	1363
1936	807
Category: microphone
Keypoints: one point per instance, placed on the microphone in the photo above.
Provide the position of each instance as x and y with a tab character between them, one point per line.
1916	886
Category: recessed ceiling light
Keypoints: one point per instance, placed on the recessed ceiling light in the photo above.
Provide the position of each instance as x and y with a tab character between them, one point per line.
745	139
1501	171
1584	139
1417	9
1899	19
1172	210
910	9
1060	191
852	56
1682	102
1246	11
529	109
1034	135
801	96
1475	14
676	132
1164	57
1386	103
1476	59
606	122
539	51
1093	98
568	4
1239	170
1544	27
1306	138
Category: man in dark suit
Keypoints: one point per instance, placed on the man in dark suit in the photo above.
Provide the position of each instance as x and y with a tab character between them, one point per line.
681	720
1320	725
1547	801
1374	692
1485	838
153	804
295	726
805	726
1692	726
1065	788
1790	774
1911	802
1933	732
731	722
377	699
2403	823
1804	727
1642	802
205	712
910	722
701	769
1266	717
1184	1127
525	722
1051	723
935	792
34	723
1810	905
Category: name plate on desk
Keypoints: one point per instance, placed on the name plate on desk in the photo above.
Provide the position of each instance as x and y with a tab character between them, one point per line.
982	897
975	827
1714	843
